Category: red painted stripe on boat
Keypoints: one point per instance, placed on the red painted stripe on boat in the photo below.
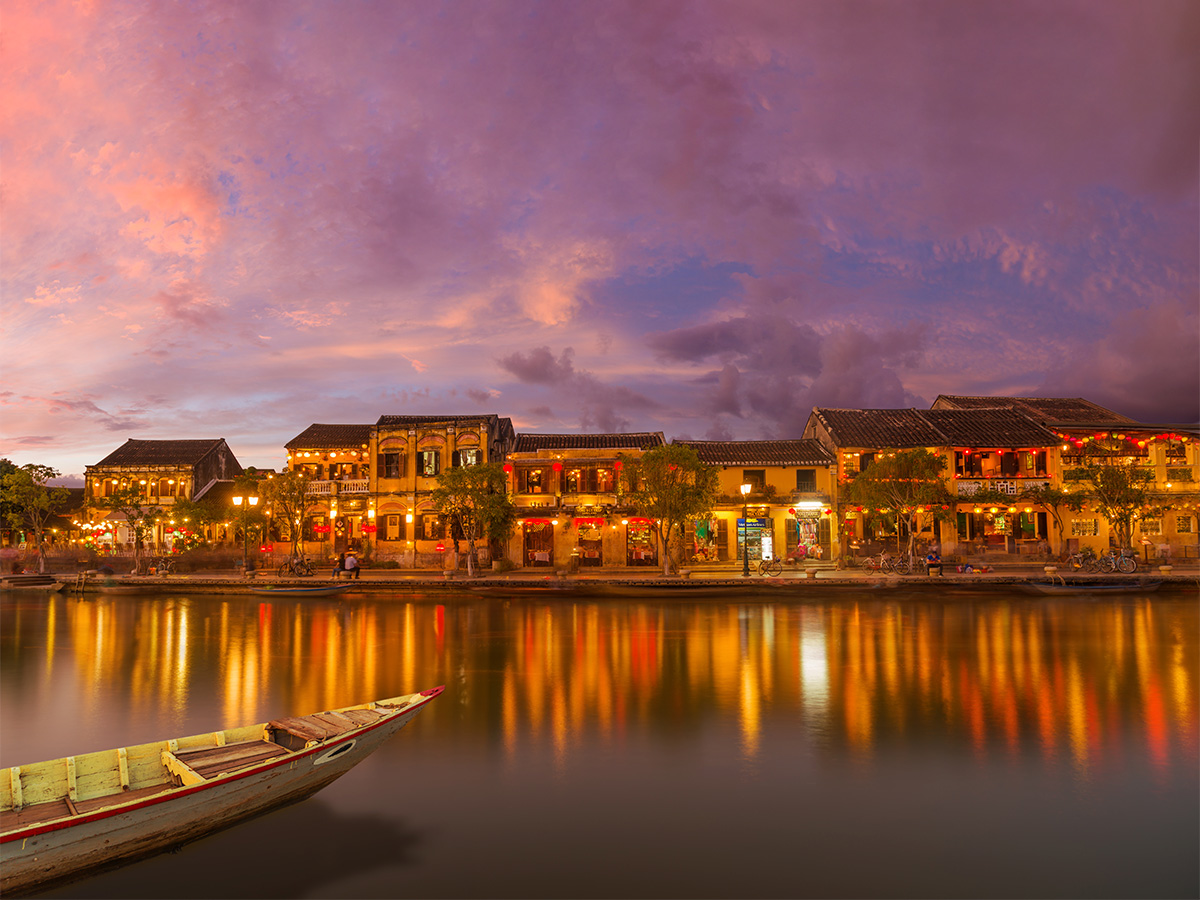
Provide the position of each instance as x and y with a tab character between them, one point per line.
176	793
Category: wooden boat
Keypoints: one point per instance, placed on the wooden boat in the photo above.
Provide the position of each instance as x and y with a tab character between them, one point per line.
119	588
68	818
38	582
1038	587
295	590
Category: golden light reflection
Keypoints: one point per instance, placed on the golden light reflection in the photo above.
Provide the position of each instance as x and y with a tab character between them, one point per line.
1069	679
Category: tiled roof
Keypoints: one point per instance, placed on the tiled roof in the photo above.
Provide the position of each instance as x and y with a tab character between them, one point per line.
331	436
989	427
760	453
997	426
406	421
1050	410
644	440
879	427
160	453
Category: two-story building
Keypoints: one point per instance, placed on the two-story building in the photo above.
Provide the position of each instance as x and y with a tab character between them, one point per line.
410	453
338	460
786	513
1088	432
986	451
161	471
568	493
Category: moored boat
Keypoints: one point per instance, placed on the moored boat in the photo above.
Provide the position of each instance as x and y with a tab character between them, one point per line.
1133	587
295	590
38	582
67	818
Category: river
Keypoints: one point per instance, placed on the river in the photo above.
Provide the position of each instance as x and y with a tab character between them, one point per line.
969	747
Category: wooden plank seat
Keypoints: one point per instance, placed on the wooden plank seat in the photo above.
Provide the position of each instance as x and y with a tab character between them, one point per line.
56	809
294	732
210	761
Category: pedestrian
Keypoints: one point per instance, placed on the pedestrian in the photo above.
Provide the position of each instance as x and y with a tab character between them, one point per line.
339	566
351	564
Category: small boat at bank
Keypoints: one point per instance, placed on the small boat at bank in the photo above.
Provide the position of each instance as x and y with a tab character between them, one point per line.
1038	587
295	590
33	582
69	818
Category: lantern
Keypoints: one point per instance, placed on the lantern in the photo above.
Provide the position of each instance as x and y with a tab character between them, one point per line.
508	468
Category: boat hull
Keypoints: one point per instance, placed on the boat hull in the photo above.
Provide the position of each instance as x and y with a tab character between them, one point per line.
60	851
323	591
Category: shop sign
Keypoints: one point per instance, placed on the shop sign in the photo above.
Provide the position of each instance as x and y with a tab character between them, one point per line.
320	529
754	523
369	529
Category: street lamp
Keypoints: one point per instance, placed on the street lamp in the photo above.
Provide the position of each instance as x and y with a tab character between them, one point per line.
745	489
250	501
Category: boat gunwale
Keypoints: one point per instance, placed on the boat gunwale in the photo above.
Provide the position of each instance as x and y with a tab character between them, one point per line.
173	792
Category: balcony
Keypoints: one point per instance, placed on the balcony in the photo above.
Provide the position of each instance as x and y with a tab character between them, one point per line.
1010	486
320	488
354	486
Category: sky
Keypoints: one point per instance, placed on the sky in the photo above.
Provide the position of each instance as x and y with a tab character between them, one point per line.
233	220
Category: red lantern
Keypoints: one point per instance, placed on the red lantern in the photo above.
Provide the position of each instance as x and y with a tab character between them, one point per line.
508	468
617	465
557	467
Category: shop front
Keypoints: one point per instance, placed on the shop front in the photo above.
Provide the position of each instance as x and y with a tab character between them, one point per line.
809	534
756	536
641	544
589	541
538	543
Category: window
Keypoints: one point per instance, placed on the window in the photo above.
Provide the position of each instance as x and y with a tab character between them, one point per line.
433	527
756	478
429	462
1183	524
530	481
390	464
393	528
864	460
465	458
1151	526
806	481
1085	527
588	479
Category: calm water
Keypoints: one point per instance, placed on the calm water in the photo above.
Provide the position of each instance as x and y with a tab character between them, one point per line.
969	748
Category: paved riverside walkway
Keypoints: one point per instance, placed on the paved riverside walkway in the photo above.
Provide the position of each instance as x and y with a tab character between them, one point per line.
725	579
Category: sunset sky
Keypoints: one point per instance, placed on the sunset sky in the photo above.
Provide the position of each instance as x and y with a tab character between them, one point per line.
236	219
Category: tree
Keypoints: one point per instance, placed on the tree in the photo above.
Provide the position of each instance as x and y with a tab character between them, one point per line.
475	500
1054	501
290	501
670	486
30	502
130	501
1119	492
907	485
196	514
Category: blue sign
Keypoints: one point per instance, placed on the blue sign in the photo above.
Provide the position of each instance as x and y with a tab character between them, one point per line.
754	523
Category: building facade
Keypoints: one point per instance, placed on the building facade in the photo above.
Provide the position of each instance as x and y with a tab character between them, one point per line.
570	505
162	472
787	512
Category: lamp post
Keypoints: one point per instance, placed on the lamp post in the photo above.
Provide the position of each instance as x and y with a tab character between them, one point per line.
244	504
745	489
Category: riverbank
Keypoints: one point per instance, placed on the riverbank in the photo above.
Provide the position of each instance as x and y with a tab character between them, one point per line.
712	580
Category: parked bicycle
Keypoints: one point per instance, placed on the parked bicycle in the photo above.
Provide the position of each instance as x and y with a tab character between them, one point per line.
886	563
164	565
1125	561
770	567
1085	559
298	566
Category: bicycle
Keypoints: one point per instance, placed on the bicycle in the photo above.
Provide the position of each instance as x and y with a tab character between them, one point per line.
881	563
163	565
296	565
1085	559
770	567
1124	562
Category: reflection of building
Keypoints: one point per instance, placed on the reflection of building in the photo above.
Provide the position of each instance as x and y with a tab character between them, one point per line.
162	472
567	489
788	513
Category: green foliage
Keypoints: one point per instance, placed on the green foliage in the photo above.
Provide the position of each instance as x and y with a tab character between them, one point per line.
1119	492
131	502
287	494
29	502
906	483
671	486
475	500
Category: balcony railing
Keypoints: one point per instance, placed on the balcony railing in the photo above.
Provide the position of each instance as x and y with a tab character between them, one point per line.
354	486
320	488
1010	486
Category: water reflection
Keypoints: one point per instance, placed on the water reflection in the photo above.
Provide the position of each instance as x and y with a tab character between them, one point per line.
1085	682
